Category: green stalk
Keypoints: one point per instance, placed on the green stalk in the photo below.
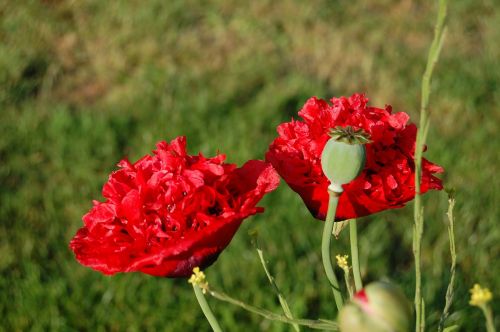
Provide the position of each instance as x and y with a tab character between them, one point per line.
320	324
325	248
450	290
281	297
206	309
348	283
418	227
353	235
490	327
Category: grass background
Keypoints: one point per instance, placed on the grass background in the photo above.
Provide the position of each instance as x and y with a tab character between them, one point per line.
84	83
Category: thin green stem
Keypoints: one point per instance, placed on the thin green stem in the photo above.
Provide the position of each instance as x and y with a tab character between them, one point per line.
320	324
353	235
206	309
325	248
348	283
281	297
418	227
490	327
417	235
450	290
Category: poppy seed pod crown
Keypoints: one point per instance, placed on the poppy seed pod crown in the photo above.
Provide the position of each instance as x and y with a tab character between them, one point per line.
344	155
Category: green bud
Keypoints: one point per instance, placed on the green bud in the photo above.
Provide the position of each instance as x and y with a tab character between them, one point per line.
344	155
379	307
353	319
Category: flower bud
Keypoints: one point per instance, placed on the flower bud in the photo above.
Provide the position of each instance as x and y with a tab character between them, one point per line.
343	157
379	307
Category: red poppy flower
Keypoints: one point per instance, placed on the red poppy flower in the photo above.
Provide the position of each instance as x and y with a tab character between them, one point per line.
170	212
388	178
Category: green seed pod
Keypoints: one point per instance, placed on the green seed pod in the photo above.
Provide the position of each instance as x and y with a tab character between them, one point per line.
379	307
344	155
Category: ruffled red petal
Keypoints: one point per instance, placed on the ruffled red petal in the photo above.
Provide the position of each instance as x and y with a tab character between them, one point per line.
170	212
388	179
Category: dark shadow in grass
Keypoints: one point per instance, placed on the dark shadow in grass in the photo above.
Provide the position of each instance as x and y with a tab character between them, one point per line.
28	84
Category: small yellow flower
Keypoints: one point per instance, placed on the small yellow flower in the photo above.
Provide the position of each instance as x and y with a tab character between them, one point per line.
198	278
479	296
342	262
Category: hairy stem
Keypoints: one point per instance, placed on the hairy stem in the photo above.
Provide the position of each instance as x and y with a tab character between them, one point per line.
418	227
453	253
320	324
281	297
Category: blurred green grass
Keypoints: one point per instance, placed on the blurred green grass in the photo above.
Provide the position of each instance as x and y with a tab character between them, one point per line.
85	83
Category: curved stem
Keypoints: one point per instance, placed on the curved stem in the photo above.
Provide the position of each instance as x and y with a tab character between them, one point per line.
325	248
281	297
353	235
206	309
320	324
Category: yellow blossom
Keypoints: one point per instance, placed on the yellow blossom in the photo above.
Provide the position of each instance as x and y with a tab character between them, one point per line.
198	278
479	296
342	262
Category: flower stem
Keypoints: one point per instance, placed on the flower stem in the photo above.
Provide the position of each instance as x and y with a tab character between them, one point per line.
418	227
206	309
325	247
490	327
320	324
348	283
353	235
281	297
450	290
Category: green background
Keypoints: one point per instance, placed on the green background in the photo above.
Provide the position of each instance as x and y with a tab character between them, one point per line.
85	83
